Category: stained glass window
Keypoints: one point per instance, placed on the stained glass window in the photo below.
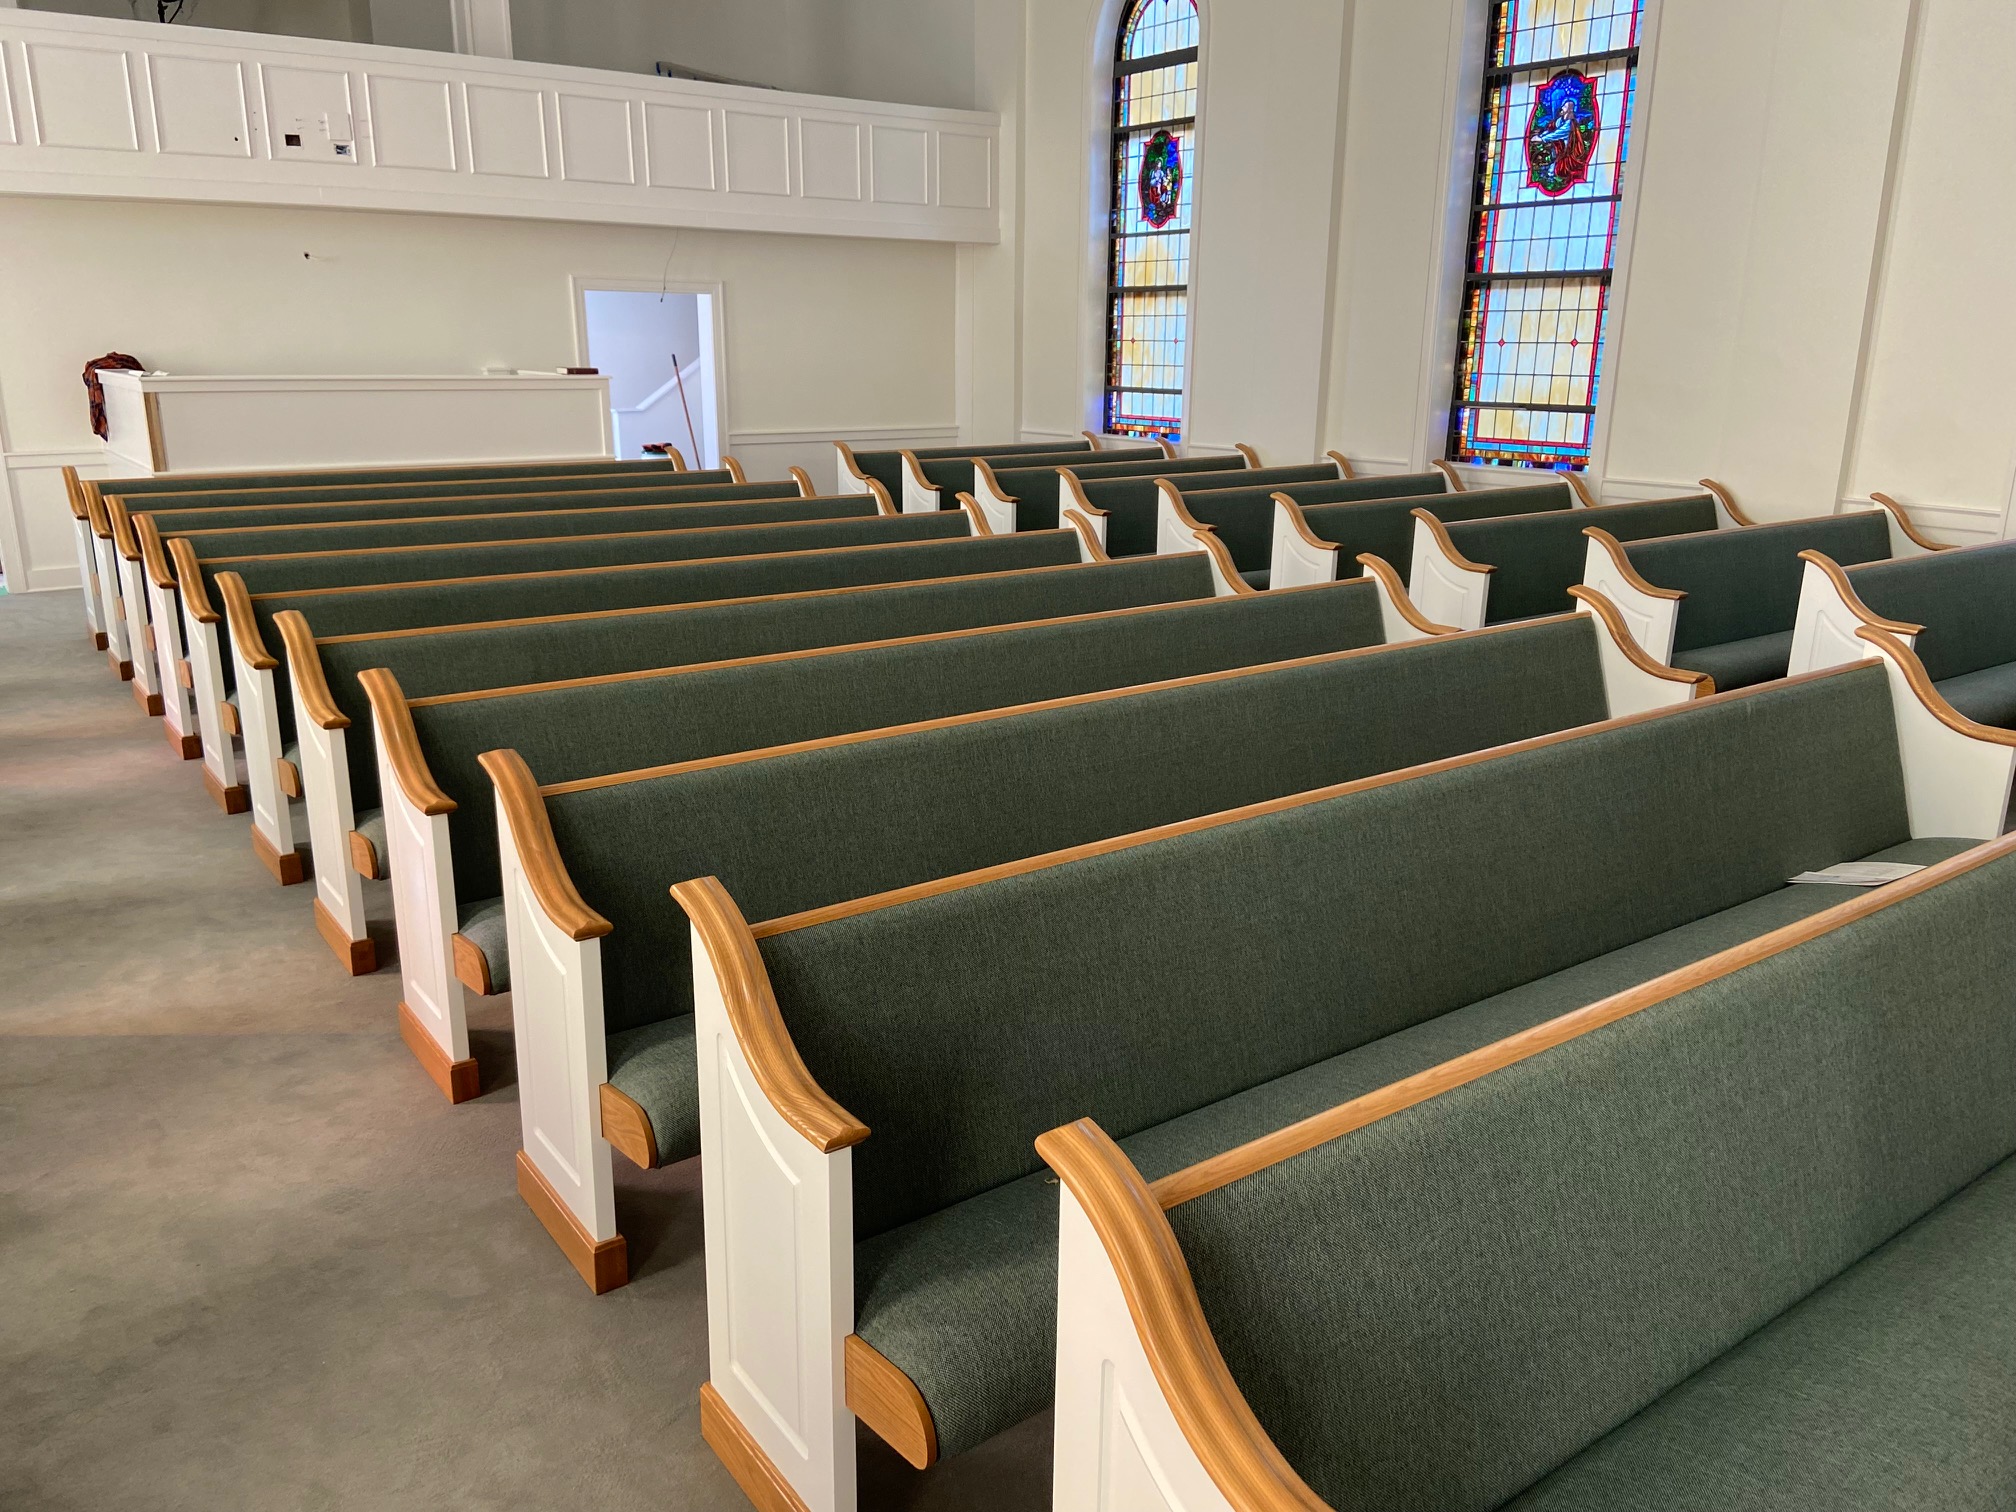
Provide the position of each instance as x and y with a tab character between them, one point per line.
1551	146
1148	284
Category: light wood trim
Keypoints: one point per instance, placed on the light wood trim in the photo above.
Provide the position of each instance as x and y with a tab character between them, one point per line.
1213	1414
1403	601
248	516
157	452
975	514
983	472
627	1126
1165	488
940	886
233	799
244	625
1852	599
803	479
184	673
1928	692
1309	537
289	868
1091	439
356	957
1614	549
604	1264
400	742
888	1401
189	582
849	461
1448	547
458	1082
123	538
743	1458
231	482
153	554
531	519
472	966
915	469
364	857
1082	504
1221	1170
1343	462
1613	620
728	465
1727	500
289	775
1093	546
1579	486
227	714
1168	450
73	491
1252	457
538	850
758	1024
883	502
1454	478
1911	533
1222	555
94	511
304	665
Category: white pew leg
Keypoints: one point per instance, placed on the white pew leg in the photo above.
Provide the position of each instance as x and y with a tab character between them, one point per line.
178	709
118	648
273	836
206	673
87	579
339	891
141	635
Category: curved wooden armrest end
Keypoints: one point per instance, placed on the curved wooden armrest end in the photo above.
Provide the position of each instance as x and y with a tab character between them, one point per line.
1343	462
734	469
1613	621
1219	552
883	502
1076	520
304	665
95	512
122	530
1166	488
1309	537
1928	694
244	623
759	1026
915	469
984	474
1071	481
189	582
1252	457
1449	473
1383	570
975	514
1839	578
538	852
1884	501
1091	438
402	742
1448	547
1168	448
1727	500
1579	485
153	553
803	479
1618	559
849	461
73	492
1169	1320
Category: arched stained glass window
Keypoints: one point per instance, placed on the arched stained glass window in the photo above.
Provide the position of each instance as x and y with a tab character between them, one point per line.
1148	283
1559	81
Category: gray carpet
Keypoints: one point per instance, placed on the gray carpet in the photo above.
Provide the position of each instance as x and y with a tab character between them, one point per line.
249	1258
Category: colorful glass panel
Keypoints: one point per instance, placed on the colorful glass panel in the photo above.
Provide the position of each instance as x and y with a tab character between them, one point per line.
1154	110
1553	139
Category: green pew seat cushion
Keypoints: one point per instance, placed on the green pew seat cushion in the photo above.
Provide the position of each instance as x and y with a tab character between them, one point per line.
1894	1385
370	823
1988	695
1739	664
654	1067
1259	577
481	923
964	1299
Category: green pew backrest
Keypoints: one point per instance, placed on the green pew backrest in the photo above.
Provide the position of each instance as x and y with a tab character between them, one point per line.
954	475
1540	557
519	653
886	467
337	511
1383	525
1243	515
1745	583
794	831
1130	502
1137	984
339	489
1966	600
1450	1302
520	526
1034	489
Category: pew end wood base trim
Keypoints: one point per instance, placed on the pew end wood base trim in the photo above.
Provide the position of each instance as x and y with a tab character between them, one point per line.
123	670
100	641
288	867
740	1456
604	1264
190	747
458	1080
627	1127
358	957
233	799
888	1401
150	703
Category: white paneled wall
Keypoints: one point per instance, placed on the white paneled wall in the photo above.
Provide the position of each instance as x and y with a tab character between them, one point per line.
130	110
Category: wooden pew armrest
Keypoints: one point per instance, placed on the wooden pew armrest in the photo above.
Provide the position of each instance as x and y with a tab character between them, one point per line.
189	582
244	623
1905	539
123	536
1957	772
803	479
1298	555
992	498
1447	585
1398	613
1450	476
852	478
1343	462
1091	534
401	744
153	553
1652	613
1633	680
304	668
1732	516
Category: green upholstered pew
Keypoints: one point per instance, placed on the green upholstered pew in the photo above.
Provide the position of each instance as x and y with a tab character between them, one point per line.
1201	984
586	653
1957	607
1319	541
1034	498
859	468
1490	571
1243	516
1132	521
800	826
1737	1236
937	483
1724	601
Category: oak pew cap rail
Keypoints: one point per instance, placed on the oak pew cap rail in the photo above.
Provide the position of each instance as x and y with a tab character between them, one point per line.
1441	534
402	753
1913	668
1897	512
189	583
1726	499
1448	470
1838	576
304	665
538	851
1620	634
244	623
154	554
1382	572
1621	561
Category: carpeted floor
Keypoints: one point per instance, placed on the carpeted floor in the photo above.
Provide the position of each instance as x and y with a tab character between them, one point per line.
249	1258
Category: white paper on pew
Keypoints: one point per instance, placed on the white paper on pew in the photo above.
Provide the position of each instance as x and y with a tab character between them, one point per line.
1861	873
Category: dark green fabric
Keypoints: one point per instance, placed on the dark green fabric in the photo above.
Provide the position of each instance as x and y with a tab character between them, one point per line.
171	493
1741	584
1533	1258
956	475
370	823
1244	516
1740	664
511	654
525	500
1988	695
1035	489
573	732
1540	557
1384	527
1130	503
654	1066
886	467
1892	1386
964	1299
623	519
481	922
1962	598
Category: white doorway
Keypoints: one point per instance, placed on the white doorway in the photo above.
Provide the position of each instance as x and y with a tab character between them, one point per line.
660	349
